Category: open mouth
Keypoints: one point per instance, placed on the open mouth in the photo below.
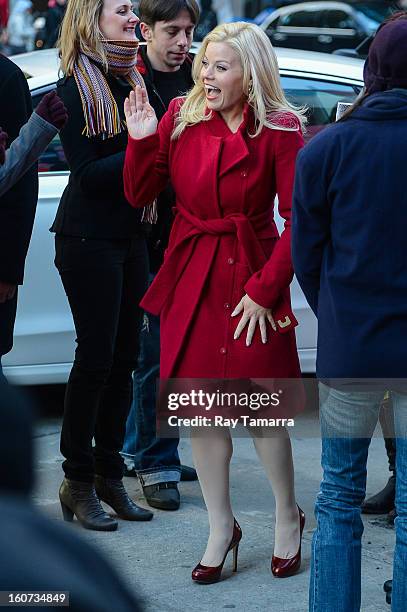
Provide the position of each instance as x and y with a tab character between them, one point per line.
212	92
130	30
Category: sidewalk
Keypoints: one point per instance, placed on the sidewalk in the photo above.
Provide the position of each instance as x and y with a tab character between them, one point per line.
156	558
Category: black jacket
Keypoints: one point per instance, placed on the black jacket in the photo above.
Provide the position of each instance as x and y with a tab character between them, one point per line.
93	204
17	206
154	95
159	234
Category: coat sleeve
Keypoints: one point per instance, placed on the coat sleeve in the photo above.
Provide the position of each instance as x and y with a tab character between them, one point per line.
95	174
33	139
266	285
146	167
311	221
18	204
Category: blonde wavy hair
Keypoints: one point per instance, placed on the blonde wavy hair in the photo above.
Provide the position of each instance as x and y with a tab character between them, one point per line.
80	33
261	80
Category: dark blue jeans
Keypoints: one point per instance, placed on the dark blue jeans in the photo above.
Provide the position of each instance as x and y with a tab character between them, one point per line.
348	420
154	459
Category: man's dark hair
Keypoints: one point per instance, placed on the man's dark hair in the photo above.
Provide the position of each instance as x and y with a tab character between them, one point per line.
151	11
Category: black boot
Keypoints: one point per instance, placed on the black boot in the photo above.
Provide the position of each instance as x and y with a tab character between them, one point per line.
163	495
188	473
382	502
80	498
112	492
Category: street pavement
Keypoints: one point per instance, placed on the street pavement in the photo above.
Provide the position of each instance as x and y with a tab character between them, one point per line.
155	558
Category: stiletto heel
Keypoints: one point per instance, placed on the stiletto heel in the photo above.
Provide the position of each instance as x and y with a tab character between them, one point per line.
66	513
235	554
205	574
282	568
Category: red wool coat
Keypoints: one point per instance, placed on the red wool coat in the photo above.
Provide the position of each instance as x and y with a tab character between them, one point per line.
224	243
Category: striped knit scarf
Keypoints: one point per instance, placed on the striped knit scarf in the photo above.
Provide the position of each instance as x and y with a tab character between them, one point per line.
102	116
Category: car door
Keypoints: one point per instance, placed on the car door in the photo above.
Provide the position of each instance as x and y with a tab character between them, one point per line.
338	29
44	334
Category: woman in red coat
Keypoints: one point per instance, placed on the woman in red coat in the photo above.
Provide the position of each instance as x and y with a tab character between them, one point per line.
223	291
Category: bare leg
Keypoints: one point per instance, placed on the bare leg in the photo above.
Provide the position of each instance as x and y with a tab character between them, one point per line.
212	451
276	455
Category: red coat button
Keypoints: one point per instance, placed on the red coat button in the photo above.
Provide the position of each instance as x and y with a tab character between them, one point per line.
227	305
244	173
231	261
223	351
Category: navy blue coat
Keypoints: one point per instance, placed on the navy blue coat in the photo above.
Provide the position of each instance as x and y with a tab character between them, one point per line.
349	239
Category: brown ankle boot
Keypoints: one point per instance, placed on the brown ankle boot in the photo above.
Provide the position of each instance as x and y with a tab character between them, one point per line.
113	493
80	498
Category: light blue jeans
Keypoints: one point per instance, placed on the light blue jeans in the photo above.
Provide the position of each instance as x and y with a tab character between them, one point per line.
348	420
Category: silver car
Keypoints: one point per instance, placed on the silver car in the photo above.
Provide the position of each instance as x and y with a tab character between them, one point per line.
44	341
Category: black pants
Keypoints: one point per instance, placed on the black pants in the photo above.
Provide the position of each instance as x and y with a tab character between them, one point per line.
104	281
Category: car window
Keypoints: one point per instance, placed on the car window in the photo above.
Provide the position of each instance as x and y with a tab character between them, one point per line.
53	158
320	97
374	10
273	24
299	19
336	19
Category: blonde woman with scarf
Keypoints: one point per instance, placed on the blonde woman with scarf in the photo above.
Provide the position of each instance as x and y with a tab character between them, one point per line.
101	258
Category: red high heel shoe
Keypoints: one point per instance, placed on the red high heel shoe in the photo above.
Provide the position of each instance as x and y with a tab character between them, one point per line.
282	568
205	574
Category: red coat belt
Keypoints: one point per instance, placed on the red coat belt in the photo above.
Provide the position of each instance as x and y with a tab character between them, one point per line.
249	230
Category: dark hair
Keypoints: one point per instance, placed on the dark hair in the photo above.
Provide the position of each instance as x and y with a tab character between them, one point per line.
151	11
364	94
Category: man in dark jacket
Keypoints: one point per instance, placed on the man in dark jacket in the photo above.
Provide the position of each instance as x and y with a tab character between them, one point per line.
349	251
165	63
17	206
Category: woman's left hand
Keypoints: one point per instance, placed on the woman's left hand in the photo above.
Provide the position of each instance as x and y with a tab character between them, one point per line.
252	314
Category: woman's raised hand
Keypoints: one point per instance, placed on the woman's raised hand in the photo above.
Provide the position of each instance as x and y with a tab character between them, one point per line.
140	116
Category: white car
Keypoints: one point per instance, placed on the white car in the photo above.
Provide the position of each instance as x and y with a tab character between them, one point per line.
44	341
